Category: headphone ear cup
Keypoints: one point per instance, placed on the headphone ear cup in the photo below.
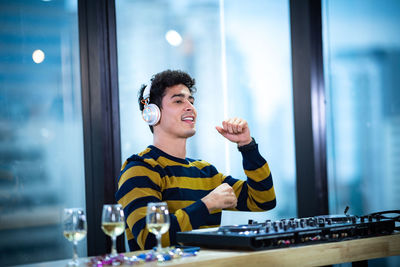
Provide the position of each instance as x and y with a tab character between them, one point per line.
151	114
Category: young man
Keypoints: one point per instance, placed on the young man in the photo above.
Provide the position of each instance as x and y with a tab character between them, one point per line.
194	190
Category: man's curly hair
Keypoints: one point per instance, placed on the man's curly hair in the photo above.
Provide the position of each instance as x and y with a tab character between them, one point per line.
161	81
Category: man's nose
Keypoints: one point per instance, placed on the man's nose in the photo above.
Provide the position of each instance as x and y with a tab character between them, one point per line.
189	105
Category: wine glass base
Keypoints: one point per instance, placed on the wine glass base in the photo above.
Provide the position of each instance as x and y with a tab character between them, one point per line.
73	263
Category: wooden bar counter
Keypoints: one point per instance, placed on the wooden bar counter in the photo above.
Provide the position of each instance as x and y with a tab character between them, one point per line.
309	255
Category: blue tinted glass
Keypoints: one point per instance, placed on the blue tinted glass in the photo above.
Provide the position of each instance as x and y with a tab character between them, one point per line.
41	158
362	70
157	35
259	86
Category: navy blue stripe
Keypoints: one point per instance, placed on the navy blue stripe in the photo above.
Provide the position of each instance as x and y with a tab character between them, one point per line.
173	229
213	219
138	203
133	246
150	242
242	199
198	213
263	185
136	182
192	172
135	160
252	160
138	226
267	205
183	194
229	180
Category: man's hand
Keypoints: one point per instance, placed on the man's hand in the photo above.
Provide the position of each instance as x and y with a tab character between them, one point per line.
235	130
221	197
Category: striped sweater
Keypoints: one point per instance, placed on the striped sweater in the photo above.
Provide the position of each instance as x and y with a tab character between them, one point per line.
154	176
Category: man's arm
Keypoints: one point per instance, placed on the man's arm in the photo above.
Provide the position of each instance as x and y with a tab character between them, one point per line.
257	193
139	184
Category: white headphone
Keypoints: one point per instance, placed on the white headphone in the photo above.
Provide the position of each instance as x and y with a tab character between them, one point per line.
151	112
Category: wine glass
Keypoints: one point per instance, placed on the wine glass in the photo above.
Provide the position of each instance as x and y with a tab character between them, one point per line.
113	224
157	220
74	229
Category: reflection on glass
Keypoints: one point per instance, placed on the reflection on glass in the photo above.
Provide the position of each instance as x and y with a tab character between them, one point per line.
41	144
258	82
363	108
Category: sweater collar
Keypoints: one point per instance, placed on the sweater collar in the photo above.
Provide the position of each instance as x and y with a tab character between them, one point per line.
159	152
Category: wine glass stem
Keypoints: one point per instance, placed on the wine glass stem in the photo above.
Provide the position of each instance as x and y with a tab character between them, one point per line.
75	253
114	245
158	236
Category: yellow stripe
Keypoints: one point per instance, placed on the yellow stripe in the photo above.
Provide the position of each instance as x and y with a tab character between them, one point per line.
209	226
123	165
237	187
138	193
259	174
163	161
135	216
144	233
174	205
165	240
151	162
260	197
216	211
194	183
128	234
200	164
139	171
147	150
141	239
183	219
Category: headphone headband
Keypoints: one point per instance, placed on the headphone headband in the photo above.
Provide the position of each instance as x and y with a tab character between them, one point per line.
146	91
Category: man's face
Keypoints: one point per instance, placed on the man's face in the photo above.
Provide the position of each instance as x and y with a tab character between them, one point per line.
178	115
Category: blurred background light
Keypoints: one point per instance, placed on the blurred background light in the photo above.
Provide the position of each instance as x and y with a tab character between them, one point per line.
173	38
38	56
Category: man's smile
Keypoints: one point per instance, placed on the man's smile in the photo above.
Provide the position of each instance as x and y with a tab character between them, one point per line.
189	118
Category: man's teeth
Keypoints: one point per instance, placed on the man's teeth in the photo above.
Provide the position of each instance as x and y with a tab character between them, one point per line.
187	119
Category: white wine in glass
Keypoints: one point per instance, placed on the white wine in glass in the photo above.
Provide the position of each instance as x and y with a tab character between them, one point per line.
157	220
74	229
113	224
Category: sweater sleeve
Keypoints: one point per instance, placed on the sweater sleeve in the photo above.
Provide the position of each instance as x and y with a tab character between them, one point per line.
140	183
257	192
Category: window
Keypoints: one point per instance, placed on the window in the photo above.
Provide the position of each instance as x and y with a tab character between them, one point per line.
157	35
41	162
363	108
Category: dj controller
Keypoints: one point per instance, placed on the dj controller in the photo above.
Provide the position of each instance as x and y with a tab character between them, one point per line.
290	232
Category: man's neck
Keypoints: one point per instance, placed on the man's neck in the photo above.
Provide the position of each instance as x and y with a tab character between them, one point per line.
173	146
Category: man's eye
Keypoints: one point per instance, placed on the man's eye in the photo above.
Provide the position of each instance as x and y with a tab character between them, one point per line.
178	101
